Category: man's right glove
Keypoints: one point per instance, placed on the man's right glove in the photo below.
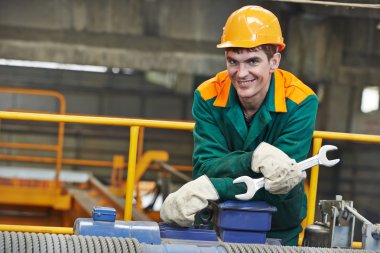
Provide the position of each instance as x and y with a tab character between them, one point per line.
279	170
181	206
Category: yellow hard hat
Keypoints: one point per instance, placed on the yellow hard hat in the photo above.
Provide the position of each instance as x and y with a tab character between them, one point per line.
251	26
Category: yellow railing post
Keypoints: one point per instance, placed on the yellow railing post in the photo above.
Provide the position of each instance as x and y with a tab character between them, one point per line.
317	143
134	132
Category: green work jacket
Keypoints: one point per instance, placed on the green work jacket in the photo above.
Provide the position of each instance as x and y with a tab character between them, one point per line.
223	144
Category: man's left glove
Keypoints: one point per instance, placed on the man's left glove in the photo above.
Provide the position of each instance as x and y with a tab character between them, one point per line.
279	170
181	206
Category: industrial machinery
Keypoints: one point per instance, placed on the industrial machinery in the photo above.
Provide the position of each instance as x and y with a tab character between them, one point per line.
240	227
337	227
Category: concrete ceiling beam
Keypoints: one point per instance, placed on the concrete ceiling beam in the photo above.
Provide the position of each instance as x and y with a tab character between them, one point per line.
123	51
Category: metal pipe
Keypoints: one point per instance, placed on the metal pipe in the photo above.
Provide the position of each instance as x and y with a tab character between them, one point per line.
187	168
347	136
357	215
28	146
173	171
36	229
53	160
96	120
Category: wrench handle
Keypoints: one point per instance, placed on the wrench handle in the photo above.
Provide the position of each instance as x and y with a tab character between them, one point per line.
308	163
260	182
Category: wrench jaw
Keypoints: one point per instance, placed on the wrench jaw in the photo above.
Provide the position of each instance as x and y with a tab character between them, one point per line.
252	188
330	163
323	160
243	197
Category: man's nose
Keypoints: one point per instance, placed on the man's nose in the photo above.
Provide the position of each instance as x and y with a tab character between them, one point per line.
242	71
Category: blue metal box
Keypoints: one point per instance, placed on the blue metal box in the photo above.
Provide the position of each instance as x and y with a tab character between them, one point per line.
243	221
244	215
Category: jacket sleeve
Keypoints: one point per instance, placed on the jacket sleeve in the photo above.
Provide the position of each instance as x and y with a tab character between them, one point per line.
212	156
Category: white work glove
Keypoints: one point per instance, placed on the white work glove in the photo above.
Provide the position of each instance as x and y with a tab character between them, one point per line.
181	206
279	170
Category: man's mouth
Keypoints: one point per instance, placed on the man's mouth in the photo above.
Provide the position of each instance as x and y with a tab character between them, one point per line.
245	83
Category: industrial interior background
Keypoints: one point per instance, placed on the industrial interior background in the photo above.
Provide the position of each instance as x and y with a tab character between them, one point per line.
157	52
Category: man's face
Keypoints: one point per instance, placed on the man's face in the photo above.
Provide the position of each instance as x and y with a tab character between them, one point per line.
250	71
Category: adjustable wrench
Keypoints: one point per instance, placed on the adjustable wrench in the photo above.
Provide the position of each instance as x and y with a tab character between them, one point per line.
253	185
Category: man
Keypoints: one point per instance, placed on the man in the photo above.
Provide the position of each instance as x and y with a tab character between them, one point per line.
252	119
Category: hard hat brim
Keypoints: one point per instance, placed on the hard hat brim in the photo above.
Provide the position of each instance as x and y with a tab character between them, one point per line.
247	44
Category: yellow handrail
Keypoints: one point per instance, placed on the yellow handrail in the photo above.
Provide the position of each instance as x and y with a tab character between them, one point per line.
97	120
347	136
179	125
136	124
36	229
61	127
66	161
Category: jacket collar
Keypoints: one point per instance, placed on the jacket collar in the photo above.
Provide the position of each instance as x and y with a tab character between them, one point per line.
275	100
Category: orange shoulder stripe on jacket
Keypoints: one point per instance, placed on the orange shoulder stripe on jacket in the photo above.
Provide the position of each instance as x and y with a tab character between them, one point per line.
294	89
218	86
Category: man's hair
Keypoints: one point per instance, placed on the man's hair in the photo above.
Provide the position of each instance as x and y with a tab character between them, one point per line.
268	49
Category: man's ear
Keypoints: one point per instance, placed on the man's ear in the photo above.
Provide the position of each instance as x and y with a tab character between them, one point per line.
274	62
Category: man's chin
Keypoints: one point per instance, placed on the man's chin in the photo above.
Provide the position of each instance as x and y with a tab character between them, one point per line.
245	95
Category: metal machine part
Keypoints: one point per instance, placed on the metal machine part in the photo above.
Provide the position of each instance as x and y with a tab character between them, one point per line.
316	235
341	222
234	222
205	218
36	243
104	223
242	228
370	236
370	232
337	227
337	223
103	233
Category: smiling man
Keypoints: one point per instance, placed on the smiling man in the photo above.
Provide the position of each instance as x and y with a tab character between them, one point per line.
252	119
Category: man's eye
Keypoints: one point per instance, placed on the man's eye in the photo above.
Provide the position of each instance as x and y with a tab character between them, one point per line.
231	62
253	61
